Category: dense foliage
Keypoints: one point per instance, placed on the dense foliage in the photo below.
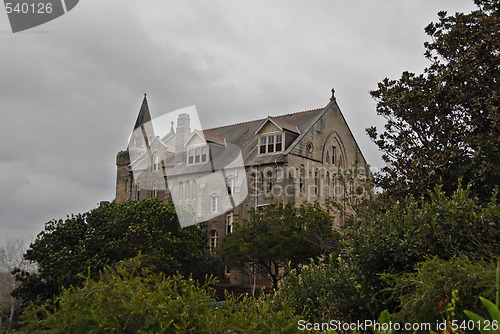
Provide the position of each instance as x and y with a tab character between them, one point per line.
445	123
423	294
406	257
66	251
279	238
397	237
132	299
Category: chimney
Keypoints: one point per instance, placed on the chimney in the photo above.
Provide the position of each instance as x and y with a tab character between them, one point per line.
182	131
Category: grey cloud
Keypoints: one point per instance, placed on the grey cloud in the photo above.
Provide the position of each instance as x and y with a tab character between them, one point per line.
70	90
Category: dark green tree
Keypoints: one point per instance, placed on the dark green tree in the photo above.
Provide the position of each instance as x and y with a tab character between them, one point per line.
444	124
67	251
280	238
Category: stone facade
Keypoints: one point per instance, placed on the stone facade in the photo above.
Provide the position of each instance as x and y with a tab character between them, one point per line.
287	158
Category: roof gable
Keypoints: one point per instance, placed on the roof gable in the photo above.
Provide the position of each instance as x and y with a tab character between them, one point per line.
281	124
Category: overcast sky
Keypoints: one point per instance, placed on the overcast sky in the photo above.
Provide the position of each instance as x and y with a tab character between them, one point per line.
70	90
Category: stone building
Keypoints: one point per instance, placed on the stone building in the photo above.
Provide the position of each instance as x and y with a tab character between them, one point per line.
286	158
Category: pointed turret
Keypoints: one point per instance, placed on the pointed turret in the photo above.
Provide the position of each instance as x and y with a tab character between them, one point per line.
143	133
144	115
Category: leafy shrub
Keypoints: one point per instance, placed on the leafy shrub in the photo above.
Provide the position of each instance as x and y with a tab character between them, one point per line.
424	294
324	291
131	299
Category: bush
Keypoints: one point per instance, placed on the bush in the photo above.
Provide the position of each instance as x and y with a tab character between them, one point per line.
324	291
424	294
131	299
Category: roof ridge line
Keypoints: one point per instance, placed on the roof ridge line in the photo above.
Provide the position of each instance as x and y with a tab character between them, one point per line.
262	119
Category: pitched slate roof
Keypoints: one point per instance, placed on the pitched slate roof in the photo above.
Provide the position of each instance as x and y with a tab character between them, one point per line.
243	134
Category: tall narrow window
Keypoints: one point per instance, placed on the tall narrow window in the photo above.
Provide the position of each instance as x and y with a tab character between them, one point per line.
155	190
197	154
194	190
301	179
261	181
214	240
203	154
181	190
269	176
156	162
262	146
316	182
230	185
270	144
327	157
253	184
279	173
279	145
138	192
333	155
214	203
229	222
327	184
191	156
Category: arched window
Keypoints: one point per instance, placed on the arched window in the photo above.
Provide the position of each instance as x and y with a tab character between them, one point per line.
214	240
261	182
269	176
279	173
334	155
334	186
301	179
327	184
316	182
155	190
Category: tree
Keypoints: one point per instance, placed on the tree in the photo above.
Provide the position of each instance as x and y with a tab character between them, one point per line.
67	251
444	124
11	257
279	238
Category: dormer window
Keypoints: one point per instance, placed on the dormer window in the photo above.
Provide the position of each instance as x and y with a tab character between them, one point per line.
271	143
197	154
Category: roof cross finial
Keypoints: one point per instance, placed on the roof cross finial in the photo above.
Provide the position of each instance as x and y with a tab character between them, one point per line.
333	95
145	94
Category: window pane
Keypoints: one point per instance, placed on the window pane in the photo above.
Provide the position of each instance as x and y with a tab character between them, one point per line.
270	144
262	145
278	142
204	154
